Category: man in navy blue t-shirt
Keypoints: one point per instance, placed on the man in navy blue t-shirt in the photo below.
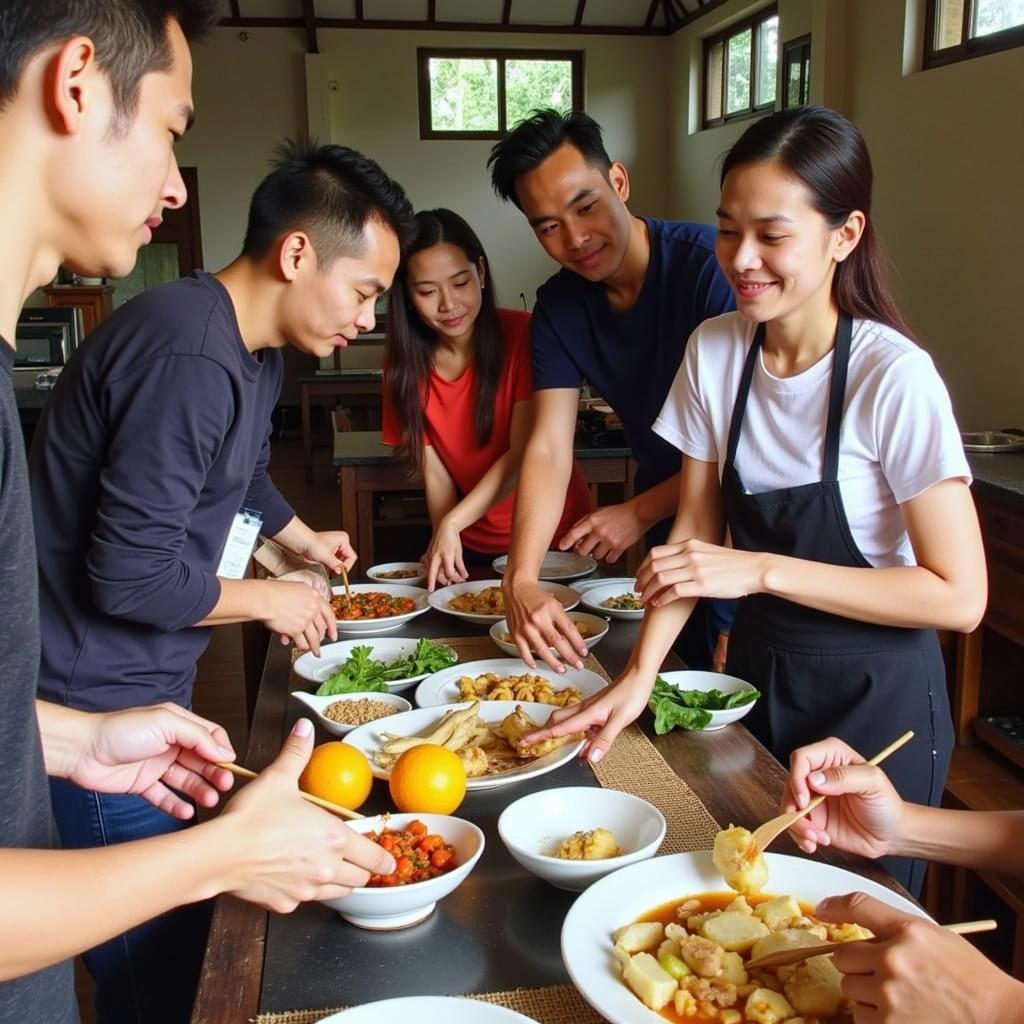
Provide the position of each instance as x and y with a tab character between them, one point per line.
618	315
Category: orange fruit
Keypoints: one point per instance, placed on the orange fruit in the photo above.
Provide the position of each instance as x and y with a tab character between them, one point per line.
338	772
428	779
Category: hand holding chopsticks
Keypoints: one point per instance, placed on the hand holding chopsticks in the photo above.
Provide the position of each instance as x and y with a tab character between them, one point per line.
245	773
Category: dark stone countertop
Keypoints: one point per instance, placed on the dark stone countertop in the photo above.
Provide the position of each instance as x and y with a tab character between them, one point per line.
998	476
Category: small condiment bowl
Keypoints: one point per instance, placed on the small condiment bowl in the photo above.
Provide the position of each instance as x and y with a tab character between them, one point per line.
537	823
600	626
319	705
392	907
378	573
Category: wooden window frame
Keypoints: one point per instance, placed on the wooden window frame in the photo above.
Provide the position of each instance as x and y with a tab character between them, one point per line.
968	48
754	110
798	49
425	54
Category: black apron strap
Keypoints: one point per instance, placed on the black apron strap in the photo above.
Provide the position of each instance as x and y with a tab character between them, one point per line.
836	395
740	406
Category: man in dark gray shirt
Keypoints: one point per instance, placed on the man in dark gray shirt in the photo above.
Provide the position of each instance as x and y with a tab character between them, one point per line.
92	95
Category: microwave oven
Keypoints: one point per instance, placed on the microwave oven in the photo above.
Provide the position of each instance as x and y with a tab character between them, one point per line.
46	337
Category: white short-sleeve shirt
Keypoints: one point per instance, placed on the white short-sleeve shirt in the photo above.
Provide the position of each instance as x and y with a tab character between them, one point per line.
898	435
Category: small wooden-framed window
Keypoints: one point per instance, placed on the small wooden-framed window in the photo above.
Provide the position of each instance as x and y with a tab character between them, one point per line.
796	72
741	69
961	29
482	94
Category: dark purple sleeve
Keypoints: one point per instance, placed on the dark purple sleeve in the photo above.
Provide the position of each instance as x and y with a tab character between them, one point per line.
264	497
172	420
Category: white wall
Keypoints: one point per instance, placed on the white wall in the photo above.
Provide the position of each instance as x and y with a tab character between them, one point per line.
361	91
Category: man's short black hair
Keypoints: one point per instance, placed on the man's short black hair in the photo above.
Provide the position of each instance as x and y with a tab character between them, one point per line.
533	140
130	37
330	192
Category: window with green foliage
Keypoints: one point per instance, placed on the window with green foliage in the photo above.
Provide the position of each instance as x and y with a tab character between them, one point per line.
741	69
961	29
796	73
482	94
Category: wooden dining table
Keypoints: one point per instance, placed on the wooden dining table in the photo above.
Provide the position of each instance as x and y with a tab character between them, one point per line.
500	929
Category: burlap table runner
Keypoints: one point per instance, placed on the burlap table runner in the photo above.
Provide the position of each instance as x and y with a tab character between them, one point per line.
633	765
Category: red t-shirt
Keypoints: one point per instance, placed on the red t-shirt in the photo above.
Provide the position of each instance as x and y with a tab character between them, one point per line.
449	427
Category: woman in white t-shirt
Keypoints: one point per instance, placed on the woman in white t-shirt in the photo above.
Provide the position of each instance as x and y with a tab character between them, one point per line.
819	439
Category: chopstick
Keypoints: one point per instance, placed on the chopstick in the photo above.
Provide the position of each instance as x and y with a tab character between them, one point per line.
245	773
344	579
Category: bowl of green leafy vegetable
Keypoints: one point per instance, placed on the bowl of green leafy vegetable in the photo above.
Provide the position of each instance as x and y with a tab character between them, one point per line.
699	701
378	665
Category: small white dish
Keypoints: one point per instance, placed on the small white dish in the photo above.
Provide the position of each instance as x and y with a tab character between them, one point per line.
535	824
376	573
333	656
622	897
443	687
367	627
319	706
599	626
695	679
428	1010
558	566
596	581
420	720
390	907
593	597
439	598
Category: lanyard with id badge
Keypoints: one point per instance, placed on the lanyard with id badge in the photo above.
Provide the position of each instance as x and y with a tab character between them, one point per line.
242	537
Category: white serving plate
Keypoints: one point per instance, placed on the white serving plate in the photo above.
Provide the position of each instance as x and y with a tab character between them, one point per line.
536	823
387	908
443	687
439	598
413	723
428	1010
596	622
596	581
333	656
557	566
374	572
695	679
319	705
622	897
593	596
367	627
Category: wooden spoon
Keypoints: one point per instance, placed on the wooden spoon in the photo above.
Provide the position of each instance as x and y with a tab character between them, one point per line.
793	956
765	834
245	773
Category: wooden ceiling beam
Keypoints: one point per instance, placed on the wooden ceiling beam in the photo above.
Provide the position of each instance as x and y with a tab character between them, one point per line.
446	26
235	12
506	14
581	6
431	10
651	12
706	7
359	10
309	20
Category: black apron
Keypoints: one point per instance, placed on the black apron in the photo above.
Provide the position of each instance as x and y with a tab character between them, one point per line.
822	674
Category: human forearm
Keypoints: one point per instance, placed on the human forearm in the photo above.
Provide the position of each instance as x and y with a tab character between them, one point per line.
543	481
658	502
495	484
907	596
239	601
937	833
296	536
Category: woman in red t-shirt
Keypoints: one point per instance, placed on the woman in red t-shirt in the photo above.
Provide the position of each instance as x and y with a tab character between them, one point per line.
458	386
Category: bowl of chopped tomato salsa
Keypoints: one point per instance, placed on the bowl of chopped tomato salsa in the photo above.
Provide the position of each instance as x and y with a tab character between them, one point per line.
376	607
433	854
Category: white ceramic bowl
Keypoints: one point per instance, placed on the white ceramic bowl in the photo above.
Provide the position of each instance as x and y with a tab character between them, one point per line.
593	596
693	679
439	598
428	1010
333	656
599	581
443	687
319	705
557	566
375	571
622	897
400	906
535	824
595	622
366	627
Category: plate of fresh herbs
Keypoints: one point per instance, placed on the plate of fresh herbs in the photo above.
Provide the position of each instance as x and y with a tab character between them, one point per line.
378	665
699	701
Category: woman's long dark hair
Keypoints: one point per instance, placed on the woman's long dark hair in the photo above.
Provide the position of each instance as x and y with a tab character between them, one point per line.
827	153
410	342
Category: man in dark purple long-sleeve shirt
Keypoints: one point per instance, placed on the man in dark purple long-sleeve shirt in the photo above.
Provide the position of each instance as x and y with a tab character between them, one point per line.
149	479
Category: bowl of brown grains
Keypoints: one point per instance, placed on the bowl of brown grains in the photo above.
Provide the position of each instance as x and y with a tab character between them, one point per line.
342	712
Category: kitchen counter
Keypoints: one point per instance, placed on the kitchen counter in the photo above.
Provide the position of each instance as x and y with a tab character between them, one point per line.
998	476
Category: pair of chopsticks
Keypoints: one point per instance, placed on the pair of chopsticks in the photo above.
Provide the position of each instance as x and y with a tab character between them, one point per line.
244	773
344	580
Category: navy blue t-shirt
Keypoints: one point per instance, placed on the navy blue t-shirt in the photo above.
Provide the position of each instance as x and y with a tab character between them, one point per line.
631	358
155	436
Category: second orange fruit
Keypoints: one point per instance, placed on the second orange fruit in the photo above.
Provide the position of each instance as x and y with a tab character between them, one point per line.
338	772
428	779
